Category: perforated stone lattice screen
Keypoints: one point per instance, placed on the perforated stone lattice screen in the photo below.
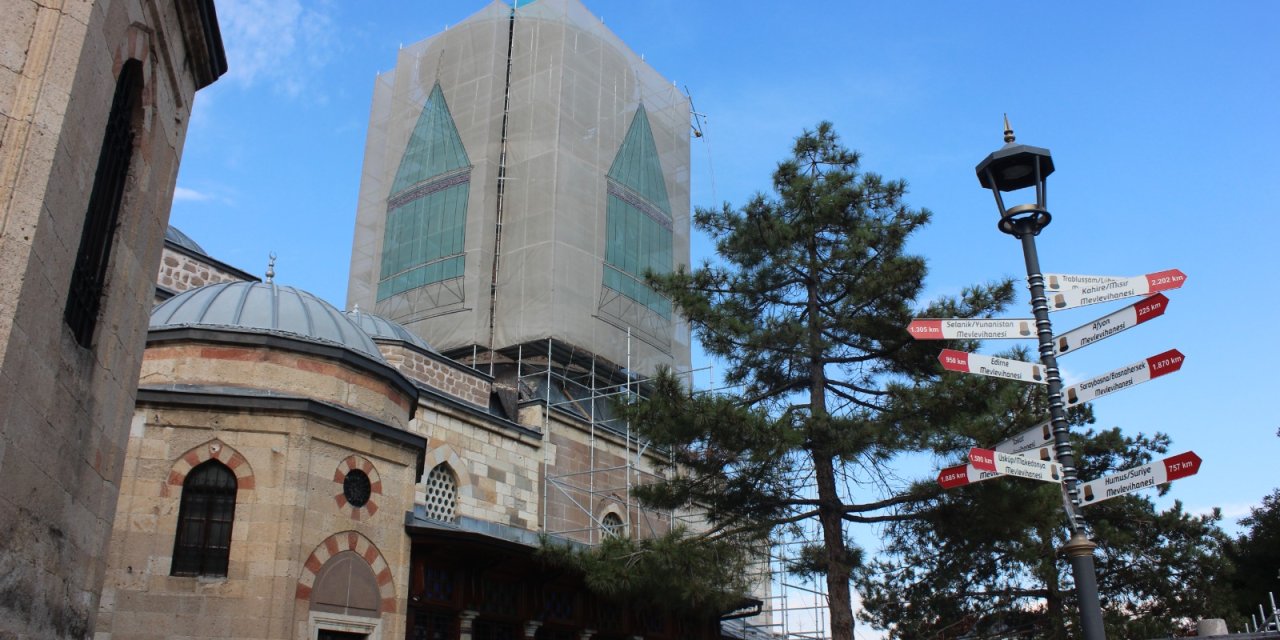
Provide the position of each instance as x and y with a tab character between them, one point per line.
442	494
611	525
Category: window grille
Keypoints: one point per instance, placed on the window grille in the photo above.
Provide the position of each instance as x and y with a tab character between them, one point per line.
356	488
442	494
208	507
611	525
88	278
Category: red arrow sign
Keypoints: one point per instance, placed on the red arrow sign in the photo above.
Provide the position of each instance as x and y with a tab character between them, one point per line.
1152	307
1181	465
1167	362
953	360
1165	280
961	475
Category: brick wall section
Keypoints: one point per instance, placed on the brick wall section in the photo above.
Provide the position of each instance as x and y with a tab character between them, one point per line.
180	272
64	409
437	372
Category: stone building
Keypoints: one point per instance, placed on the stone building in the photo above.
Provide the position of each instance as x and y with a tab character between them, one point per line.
95	99
296	472
293	471
269	469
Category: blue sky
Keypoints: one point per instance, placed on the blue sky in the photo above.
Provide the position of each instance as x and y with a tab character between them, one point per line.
1159	117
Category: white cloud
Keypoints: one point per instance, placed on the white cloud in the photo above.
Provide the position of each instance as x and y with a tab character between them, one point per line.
276	41
183	194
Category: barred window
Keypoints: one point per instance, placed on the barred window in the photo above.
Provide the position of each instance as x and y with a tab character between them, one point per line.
203	541
442	493
88	278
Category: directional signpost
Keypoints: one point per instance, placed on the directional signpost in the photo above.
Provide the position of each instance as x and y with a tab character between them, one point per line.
1016	168
1137	478
1011	464
1111	324
1111	289
971	329
1124	377
953	360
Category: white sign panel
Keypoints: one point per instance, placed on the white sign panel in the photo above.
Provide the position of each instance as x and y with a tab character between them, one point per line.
1037	437
1111	324
1124	377
1010	464
971	328
1139	478
1113	289
1010	369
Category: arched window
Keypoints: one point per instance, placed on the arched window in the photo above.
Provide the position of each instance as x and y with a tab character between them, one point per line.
442	493
203	540
611	526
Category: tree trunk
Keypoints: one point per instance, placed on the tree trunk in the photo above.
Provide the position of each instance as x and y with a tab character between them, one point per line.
830	511
839	596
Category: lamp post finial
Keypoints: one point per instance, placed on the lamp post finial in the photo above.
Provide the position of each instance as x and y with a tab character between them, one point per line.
1008	130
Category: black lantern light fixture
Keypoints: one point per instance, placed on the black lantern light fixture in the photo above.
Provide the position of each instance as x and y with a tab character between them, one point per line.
1014	167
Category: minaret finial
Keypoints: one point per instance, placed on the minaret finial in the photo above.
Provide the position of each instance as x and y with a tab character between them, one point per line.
271	267
1008	130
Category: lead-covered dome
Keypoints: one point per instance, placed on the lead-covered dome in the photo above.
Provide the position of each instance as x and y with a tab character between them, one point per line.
267	308
379	327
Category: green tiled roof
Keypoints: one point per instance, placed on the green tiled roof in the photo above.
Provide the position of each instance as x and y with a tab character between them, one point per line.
434	148
636	166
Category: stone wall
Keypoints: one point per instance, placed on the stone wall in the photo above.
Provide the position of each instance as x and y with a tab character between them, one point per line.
498	468
180	272
439	373
280	371
552	472
64	409
289	520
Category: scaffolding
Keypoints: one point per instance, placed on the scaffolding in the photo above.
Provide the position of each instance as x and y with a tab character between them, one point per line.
579	386
576	385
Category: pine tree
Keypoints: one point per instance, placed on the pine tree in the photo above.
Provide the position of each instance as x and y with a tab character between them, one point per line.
808	306
982	561
1256	554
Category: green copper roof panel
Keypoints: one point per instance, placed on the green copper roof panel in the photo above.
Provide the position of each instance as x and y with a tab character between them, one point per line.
636	166
423	242
434	148
635	243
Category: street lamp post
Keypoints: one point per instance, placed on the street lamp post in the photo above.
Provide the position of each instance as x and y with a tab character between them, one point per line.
1011	168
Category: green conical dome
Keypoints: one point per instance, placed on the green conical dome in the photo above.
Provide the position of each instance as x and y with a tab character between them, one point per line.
434	148
636	166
